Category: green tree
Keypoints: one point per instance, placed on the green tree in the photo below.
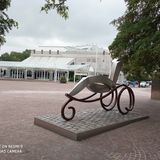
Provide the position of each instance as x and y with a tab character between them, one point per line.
15	56
138	38
58	5
5	57
6	23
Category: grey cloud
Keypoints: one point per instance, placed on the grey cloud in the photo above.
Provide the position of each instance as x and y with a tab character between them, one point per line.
88	23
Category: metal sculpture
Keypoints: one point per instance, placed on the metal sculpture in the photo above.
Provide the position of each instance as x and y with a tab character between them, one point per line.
103	87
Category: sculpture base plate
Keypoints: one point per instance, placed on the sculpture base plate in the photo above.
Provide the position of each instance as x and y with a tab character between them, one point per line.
87	123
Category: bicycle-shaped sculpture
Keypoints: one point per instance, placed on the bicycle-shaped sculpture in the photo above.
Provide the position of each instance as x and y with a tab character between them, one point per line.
104	87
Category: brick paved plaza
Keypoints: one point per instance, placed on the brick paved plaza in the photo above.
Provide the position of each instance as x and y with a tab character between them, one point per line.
21	101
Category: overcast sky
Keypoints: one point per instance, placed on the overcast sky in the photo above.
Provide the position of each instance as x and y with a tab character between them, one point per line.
88	23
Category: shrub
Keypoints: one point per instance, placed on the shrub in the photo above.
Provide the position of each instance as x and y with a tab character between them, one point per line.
63	80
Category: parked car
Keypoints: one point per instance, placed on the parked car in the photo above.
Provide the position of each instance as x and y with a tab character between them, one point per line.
144	84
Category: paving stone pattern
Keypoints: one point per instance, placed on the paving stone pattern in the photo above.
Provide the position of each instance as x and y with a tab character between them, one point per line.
21	101
87	123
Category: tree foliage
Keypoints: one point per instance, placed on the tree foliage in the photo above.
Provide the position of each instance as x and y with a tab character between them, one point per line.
58	5
15	56
6	23
138	38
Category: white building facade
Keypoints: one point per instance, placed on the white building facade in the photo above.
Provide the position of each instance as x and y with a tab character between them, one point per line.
48	64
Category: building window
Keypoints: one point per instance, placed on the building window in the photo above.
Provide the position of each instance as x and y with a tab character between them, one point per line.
29	73
72	63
